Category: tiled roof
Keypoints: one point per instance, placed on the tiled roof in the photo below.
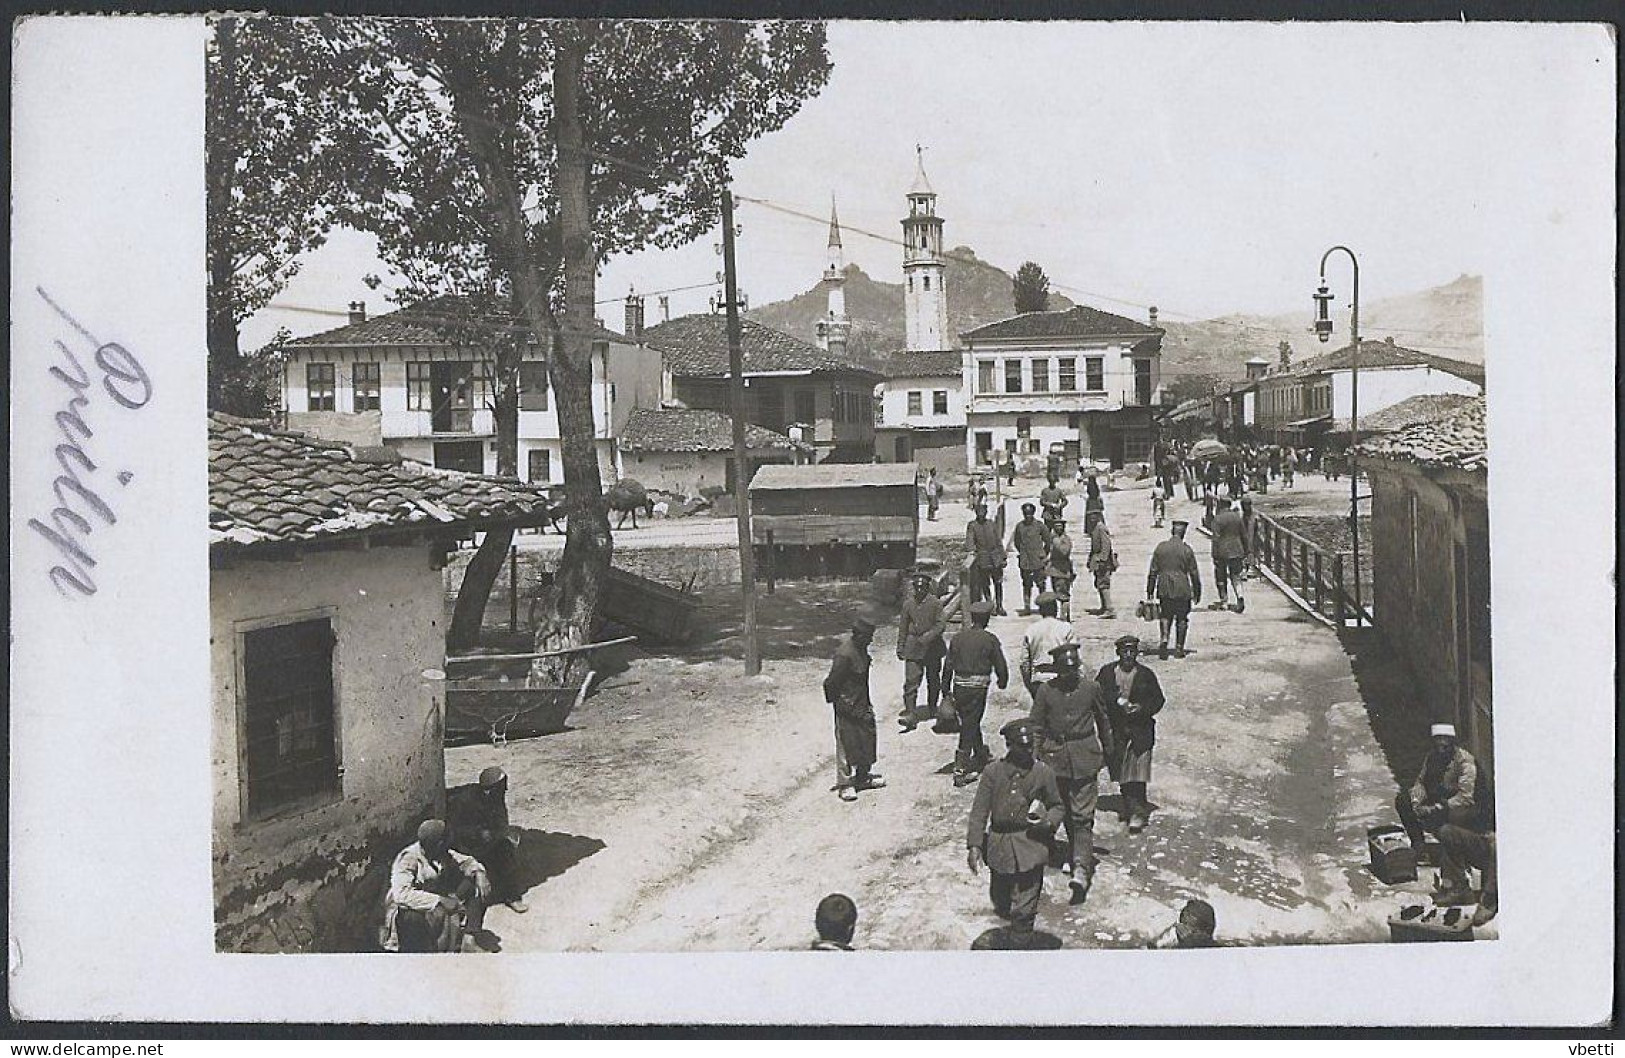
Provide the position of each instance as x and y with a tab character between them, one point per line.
1408	412
834	476
1079	321
438	321
1387	354
1453	438
697	346
268	486
941	363
693	430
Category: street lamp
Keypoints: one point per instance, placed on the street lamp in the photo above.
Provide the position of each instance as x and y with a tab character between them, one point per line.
1323	331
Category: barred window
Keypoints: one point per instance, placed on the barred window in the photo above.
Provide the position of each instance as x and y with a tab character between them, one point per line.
290	732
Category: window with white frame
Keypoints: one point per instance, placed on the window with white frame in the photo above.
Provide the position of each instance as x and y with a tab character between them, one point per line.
1094	373
319	386
365	382
984	376
419	386
939	402
533	388
916	402
1012	376
1067	374
1041	376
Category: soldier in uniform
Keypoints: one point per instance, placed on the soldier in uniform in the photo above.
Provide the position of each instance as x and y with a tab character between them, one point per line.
846	688
1059	568
975	660
477	816
1133	699
1069	716
920	629
1030	541
1017	808
985	554
1175	581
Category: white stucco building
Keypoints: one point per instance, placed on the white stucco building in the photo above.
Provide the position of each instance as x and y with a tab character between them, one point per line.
413	379
1073	384
325	614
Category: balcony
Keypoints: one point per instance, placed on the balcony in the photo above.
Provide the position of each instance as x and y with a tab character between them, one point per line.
1027	403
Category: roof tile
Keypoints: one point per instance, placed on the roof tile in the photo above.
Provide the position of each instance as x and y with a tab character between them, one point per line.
697	346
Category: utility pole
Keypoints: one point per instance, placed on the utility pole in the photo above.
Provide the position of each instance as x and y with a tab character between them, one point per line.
736	401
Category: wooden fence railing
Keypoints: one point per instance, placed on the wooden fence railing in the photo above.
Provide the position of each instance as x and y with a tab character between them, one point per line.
1322	578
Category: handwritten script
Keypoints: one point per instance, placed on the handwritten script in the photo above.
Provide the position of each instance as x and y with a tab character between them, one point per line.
125	381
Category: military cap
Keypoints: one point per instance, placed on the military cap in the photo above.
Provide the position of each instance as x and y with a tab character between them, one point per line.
981	608
493	776
1180	523
1127	641
1065	655
918	575
1443	729
1018	731
431	831
1028	508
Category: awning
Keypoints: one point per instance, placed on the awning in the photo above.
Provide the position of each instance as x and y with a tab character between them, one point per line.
1301	423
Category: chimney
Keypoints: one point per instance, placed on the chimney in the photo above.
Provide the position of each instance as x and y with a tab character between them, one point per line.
665	309
358	312
837	343
1153	315
634	316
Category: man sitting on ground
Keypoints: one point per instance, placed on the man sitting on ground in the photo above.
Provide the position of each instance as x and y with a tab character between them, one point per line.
477	818
1193	929
1450	793
435	895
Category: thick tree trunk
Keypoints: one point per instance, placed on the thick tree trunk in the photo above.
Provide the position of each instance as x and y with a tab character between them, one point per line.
587	542
225	355
474	594
566	614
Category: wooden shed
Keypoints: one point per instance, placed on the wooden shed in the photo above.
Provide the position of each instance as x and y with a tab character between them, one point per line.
834	519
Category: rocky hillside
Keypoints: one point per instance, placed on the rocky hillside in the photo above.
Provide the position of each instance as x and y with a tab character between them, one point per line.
978	293
1447	320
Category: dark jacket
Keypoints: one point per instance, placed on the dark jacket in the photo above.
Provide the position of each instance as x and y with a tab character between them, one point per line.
998	817
1138	732
920	628
1071	728
846	688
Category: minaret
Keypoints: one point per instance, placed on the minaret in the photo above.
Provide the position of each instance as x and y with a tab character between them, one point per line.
925	302
834	327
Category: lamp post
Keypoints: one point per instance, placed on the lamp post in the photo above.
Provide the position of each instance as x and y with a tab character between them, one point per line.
1323	331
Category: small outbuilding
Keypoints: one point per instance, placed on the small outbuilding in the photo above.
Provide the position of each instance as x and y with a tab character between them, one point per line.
327	653
835	519
684	451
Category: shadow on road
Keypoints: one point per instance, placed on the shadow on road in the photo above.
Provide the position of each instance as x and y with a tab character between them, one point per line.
1399	716
544	854
802	619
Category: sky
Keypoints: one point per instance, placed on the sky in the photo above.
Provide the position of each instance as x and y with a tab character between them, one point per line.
1199	167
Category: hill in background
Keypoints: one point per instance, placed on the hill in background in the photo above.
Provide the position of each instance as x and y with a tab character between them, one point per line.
1446	320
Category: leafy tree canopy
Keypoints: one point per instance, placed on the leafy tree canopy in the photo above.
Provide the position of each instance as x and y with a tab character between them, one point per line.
1030	287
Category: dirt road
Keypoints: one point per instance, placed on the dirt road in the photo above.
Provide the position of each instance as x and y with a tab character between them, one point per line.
691	809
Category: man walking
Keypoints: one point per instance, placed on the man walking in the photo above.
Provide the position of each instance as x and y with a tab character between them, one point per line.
1016	811
1133	698
985	555
1069	715
1102	562
920	631
1030	541
1042	637
1176	583
1229	551
1052	498
846	689
1059	568
975	660
933	495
